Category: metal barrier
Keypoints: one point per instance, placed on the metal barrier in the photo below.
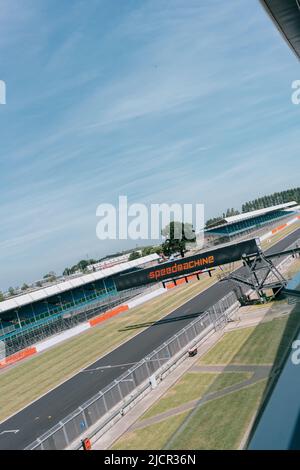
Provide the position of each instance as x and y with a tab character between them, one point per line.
110	402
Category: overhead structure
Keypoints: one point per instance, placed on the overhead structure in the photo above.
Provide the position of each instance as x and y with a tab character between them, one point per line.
261	274
286	16
225	254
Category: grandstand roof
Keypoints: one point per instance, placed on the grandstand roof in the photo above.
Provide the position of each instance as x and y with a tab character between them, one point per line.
249	215
44	293
286	16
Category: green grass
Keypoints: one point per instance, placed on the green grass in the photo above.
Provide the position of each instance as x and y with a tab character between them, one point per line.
30	379
152	437
192	386
226	379
263	344
221	423
283	233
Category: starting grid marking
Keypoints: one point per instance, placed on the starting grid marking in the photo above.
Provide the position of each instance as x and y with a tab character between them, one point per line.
109	367
14	431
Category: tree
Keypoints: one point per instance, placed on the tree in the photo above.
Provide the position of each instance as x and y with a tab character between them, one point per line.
11	291
1	296
83	264
80	266
177	235
147	251
214	221
134	255
50	277
156	249
272	200
25	286
38	284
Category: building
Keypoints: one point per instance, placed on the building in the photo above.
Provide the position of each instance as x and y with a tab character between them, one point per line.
27	318
109	262
237	226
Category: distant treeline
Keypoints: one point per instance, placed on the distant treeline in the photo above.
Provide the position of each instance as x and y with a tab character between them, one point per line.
260	203
272	200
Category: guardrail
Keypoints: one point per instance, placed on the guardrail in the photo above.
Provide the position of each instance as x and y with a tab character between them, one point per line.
101	411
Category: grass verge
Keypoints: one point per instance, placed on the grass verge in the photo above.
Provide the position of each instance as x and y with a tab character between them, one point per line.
29	380
221	423
263	344
192	386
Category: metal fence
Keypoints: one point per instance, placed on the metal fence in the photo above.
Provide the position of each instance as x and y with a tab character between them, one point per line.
110	402
98	412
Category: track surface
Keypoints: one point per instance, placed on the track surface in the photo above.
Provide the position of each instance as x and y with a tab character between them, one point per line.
41	415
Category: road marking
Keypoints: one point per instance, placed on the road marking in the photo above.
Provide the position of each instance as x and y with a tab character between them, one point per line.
15	431
109	367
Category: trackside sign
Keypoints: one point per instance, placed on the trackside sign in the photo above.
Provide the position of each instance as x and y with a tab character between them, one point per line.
218	256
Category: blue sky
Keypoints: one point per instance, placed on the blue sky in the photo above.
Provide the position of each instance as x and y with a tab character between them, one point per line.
160	100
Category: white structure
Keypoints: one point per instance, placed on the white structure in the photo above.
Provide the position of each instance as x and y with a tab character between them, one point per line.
58	288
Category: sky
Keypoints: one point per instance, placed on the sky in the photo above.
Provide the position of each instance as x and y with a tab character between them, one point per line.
161	100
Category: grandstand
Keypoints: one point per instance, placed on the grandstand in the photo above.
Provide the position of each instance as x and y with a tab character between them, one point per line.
26	319
231	228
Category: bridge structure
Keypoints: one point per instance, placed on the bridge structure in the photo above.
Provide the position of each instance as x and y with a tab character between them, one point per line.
261	275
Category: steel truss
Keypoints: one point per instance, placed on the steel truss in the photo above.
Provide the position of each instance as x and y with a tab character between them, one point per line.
261	275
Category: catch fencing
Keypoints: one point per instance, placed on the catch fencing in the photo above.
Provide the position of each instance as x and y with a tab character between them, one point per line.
98	413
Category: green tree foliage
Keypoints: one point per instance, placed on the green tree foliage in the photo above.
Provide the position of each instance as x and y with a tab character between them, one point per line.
214	221
11	291
231	212
134	255
272	200
157	249
25	286
147	251
50	277
1	296
177	236
80	266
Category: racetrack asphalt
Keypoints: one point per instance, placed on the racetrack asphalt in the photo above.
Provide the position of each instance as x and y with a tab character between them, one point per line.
45	412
